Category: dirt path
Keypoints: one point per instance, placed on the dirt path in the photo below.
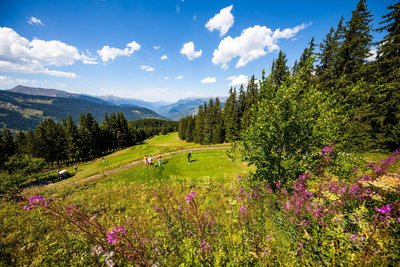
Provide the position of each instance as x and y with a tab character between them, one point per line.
139	162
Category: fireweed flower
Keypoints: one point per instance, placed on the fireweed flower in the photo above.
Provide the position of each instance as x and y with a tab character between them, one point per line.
115	234
205	246
190	196
36	201
385	210
243	209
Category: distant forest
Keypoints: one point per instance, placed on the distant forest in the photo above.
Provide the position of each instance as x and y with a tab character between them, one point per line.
66	142
338	91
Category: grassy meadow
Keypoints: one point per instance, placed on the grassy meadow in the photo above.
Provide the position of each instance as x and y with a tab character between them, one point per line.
201	214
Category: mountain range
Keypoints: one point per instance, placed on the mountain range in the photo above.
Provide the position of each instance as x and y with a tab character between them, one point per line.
23	107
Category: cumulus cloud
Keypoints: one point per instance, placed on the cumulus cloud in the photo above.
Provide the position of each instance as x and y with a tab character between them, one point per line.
189	51
110	53
18	54
222	21
164	57
254	42
35	21
238	80
209	80
180	77
146	68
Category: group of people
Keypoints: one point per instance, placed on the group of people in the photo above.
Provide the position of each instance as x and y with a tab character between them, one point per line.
148	160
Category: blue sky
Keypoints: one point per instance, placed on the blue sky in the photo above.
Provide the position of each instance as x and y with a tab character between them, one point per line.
157	50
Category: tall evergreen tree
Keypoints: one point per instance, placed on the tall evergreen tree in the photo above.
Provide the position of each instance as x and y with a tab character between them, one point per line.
198	135
209	121
218	131
279	71
190	127
231	117
357	43
72	138
252	96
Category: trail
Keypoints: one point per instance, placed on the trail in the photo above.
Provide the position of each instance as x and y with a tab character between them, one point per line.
139	162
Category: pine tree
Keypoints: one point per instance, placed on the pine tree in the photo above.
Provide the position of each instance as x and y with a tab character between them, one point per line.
218	131
357	43
279	71
72	137
90	135
198	135
209	121
252	96
327	60
231	117
305	66
190	125
387	124
7	146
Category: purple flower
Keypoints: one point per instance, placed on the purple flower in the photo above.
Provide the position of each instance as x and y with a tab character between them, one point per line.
300	245
327	149
190	196
114	234
243	209
36	201
385	210
205	246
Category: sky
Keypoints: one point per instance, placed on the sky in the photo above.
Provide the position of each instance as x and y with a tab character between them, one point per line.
161	50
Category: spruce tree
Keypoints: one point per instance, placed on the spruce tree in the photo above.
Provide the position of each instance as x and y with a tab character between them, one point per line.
218	131
198	135
72	137
357	43
231	117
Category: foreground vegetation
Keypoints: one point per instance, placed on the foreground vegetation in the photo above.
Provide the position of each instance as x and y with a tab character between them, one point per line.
203	214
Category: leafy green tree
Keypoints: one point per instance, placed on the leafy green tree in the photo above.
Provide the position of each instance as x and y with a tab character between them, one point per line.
290	123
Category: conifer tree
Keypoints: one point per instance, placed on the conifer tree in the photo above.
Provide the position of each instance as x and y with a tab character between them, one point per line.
209	121
72	138
279	71
357	43
231	117
218	131
198	135
190	125
252	96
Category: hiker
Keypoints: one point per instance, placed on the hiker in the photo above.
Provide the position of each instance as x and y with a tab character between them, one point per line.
159	160
189	157
75	167
145	160
104	160
149	161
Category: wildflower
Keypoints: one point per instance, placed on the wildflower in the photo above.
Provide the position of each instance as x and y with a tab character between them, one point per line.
35	201
190	196
114	234
300	245
385	210
239	177
205	246
243	209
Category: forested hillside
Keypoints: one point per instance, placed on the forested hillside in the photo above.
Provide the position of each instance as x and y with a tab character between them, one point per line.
24	112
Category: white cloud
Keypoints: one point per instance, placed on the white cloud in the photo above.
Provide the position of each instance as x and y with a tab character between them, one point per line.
110	53
36	21
156	47
189	51
209	80
254	42
164	57
374	53
238	80
18	54
166	78
180	77
222	21
7	80
146	68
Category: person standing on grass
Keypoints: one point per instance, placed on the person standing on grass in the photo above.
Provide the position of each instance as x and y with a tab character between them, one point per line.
75	167
189	157
159	160
150	161
145	160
